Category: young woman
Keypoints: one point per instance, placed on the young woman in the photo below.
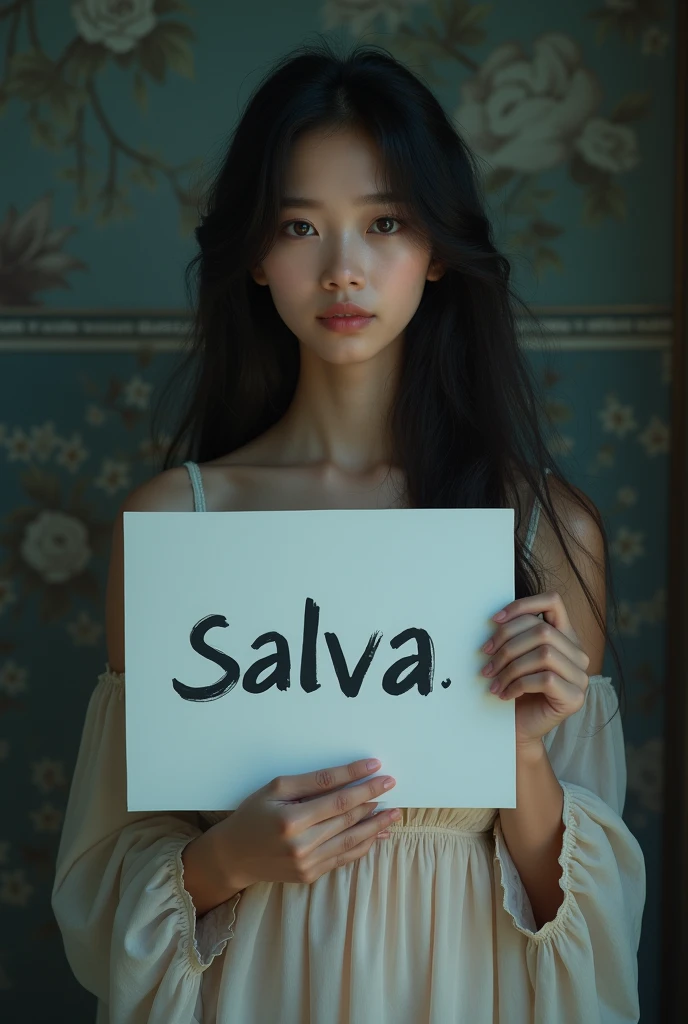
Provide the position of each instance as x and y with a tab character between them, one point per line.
346	183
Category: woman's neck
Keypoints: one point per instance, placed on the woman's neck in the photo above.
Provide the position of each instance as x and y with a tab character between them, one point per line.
338	417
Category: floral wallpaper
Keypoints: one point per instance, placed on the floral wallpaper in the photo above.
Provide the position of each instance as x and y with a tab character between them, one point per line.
113	112
563	113
529	108
63	109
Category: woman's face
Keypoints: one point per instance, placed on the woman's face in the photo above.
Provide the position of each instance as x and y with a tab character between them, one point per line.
341	250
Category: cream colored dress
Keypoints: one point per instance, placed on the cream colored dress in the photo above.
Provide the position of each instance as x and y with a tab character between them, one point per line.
432	926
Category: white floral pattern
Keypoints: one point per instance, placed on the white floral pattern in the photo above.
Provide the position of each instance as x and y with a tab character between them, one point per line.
655	41
56	545
13	678
44	440
48	774
117	24
611	147
655	437
617	418
19	446
360	15
627	496
95	416
137	392
15	890
114	476
526	113
72	453
628	545
47	818
84	631
628	620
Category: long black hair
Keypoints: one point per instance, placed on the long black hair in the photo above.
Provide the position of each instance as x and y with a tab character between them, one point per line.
466	420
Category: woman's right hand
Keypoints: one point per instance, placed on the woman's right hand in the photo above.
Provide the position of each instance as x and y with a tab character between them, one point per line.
297	827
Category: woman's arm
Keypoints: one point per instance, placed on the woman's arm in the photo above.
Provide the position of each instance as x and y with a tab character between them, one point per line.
534	829
130	927
206	874
569	904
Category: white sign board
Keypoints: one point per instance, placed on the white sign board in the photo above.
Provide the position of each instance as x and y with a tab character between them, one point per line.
274	643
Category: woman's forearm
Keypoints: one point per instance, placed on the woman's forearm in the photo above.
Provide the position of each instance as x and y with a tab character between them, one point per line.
533	831
204	879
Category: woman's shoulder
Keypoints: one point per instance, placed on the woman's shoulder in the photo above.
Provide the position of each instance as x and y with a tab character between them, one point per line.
223	479
168	491
575	511
570	503
581	526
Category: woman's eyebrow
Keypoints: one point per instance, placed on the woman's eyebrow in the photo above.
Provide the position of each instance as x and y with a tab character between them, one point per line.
366	200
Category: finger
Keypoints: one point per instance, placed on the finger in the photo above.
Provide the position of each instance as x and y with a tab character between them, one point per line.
359	822
542	659
308	839
342	801
562	695
335	851
550	604
339	860
542	634
296	787
506	632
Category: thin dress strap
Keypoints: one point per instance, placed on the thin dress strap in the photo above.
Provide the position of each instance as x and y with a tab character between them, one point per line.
197	485
534	520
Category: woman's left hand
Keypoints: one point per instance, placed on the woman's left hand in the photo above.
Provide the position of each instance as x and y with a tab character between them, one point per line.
539	662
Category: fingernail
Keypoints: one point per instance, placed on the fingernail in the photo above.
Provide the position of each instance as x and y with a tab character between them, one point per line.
488	646
388	783
494	687
372	764
488	668
499	616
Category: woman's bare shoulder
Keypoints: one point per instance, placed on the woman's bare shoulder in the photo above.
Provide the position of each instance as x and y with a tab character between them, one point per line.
574	508
575	512
167	491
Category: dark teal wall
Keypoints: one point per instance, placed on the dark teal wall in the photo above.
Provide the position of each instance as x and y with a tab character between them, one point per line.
582	175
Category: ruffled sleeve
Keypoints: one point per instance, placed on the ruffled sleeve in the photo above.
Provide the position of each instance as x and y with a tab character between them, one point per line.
128	924
581	966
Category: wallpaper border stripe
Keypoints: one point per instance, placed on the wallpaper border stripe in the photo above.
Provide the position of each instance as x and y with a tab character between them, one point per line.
594	328
591	343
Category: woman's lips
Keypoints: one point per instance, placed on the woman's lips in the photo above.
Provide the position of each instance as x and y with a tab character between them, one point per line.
345	324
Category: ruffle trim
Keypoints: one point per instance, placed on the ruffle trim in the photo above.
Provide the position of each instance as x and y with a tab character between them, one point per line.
114	679
202	940
600	679
516	902
212	932
515	899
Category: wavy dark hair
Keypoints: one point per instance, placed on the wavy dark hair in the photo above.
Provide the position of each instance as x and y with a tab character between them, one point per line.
467	416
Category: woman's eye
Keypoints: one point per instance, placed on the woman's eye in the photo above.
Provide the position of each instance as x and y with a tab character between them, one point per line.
300	223
304	223
389	219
